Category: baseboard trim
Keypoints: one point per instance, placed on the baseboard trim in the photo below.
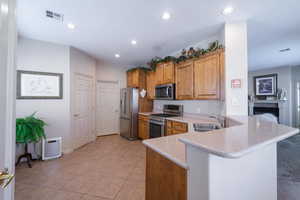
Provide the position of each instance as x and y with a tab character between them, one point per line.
110	134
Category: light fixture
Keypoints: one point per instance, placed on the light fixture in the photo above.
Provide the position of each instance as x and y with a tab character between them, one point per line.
166	16
133	42
4	8
117	55
228	10
71	26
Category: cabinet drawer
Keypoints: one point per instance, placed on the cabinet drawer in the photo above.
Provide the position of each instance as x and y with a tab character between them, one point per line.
143	117
180	126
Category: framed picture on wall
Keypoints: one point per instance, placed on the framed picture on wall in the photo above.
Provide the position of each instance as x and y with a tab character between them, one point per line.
39	85
265	85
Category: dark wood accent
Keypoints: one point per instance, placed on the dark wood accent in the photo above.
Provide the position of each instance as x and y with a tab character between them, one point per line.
164	179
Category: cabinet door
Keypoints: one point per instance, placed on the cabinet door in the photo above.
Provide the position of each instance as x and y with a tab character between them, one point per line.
184	80
135	78
169	72
207	77
151	85
129	79
159	74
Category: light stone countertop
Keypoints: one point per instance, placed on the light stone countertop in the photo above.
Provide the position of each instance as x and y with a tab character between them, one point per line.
233	142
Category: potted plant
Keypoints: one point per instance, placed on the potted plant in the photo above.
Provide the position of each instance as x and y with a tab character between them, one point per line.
29	130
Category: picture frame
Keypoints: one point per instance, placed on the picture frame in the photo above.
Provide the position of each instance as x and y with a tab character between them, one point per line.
39	85
265	85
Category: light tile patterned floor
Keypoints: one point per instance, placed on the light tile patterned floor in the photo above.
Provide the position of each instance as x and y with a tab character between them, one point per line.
111	168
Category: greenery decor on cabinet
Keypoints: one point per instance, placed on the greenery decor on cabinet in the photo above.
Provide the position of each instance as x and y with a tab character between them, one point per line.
29	130
185	55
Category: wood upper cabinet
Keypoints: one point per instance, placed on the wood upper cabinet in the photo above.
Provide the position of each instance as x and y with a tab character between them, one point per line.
143	131
164	73
184	79
159	74
207	77
168	73
151	82
133	78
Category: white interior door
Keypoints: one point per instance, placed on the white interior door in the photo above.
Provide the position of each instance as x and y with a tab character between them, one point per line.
7	88
83	113
108	107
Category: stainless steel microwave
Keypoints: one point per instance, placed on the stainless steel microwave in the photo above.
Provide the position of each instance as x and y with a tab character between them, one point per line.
165	92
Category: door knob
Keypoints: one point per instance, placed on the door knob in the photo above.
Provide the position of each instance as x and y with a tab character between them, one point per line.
5	178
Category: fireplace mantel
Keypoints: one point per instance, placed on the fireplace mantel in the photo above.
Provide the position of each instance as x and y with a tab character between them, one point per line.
282	105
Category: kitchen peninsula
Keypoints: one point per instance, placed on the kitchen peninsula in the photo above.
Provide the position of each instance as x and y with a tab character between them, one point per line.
237	162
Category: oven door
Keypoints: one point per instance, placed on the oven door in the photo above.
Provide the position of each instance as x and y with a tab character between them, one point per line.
156	129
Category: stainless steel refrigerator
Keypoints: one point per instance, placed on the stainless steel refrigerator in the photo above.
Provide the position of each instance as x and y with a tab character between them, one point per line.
129	113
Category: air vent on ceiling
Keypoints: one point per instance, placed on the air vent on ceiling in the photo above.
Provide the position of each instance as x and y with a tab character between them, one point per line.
56	16
284	50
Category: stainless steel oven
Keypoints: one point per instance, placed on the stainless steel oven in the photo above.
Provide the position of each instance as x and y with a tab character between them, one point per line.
157	121
157	128
165	92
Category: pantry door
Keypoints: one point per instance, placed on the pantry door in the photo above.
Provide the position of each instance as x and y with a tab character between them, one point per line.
83	111
108	107
8	35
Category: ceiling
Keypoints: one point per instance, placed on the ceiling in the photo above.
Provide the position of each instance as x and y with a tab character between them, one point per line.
104	28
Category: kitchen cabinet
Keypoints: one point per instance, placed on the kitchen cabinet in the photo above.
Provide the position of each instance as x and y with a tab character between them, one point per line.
207	77
184	79
138	79
164	73
133	78
168	72
159	74
174	127
164	179
143	130
151	82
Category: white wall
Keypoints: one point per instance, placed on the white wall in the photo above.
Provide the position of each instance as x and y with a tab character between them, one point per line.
284	81
81	64
295	78
41	56
110	72
236	67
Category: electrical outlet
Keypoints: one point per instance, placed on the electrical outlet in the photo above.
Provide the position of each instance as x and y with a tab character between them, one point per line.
198	110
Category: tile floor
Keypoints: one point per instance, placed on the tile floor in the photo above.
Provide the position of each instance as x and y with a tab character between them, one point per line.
111	168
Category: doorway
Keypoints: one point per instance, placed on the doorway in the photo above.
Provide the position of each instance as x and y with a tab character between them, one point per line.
108	107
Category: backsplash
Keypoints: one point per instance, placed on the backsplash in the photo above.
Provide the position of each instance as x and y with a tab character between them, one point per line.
195	106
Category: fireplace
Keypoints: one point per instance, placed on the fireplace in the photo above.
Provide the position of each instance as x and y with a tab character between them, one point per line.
261	108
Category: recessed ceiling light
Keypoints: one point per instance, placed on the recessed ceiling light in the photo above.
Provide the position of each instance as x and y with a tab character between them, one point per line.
117	55
4	8
133	42
284	50
166	16
228	10
71	26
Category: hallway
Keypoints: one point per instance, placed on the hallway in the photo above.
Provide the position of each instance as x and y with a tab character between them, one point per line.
111	168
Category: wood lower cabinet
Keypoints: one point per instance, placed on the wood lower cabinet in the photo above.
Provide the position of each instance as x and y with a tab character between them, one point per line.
184	79
143	130
174	127
164	179
207	77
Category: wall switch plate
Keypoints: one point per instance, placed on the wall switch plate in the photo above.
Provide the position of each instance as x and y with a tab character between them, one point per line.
198	110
